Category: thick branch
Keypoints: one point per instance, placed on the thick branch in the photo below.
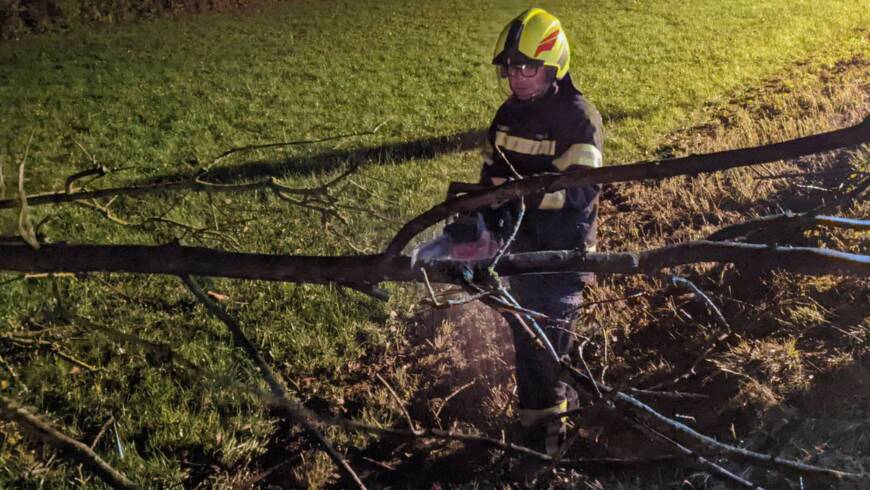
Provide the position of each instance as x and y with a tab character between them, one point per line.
134	190
690	165
10	409
807	260
803	220
372	269
774	224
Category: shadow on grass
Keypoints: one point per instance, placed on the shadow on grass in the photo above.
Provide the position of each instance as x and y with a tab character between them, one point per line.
389	154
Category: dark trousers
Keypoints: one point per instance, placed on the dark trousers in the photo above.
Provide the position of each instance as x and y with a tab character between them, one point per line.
557	296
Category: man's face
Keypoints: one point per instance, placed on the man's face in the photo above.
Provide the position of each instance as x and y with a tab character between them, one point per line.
527	82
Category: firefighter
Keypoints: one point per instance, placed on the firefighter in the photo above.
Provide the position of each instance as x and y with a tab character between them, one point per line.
545	125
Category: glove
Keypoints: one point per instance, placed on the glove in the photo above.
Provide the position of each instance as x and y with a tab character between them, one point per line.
469	239
501	221
467	228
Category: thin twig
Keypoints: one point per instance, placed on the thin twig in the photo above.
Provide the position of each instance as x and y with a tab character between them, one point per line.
452	394
791	175
673	395
520	216
506	296
504	248
102	431
379	464
370	193
774	224
97	171
17	278
610	300
370	290
68	357
436	303
192	184
502	302
296	143
702	439
697	457
700	295
570	332
723	448
398	401
11	410
508	163
586	366
429	286
431	433
844	223
53	348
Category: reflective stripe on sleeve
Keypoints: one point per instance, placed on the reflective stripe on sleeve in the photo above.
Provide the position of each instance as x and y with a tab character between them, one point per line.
579	154
530	417
553	200
486	152
524	145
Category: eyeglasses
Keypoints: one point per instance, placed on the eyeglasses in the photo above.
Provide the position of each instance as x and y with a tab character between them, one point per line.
524	71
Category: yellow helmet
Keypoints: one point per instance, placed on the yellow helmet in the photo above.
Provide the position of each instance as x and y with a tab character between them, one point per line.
535	37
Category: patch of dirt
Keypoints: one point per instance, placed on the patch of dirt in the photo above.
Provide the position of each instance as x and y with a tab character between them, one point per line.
461	358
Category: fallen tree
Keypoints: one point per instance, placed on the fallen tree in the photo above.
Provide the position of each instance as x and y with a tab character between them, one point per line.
365	272
175	259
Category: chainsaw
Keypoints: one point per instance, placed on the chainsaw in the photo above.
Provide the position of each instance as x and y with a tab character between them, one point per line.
465	239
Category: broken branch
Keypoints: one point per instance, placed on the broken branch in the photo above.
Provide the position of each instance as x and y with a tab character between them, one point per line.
372	269
661	169
275	386
11	410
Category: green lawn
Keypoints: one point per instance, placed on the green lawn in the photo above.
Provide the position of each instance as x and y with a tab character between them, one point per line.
167	96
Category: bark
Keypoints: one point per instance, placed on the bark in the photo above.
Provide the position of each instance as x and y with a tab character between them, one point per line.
690	165
372	269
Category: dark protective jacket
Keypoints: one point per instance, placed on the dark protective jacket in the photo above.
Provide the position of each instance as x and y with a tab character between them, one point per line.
553	133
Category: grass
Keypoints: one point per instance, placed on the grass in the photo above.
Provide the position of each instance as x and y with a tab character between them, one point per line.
165	97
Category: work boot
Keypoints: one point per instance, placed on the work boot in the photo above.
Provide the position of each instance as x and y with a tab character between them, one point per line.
538	435
547	436
542	434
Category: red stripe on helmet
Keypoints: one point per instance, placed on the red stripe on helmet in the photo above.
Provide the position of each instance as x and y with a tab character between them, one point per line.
551	36
547	43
